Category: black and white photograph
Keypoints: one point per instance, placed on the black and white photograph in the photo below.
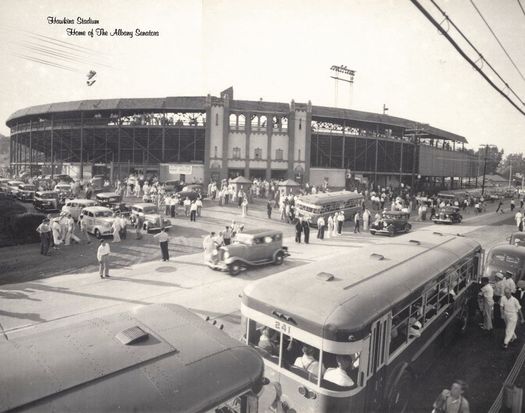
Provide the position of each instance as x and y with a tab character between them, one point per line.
277	206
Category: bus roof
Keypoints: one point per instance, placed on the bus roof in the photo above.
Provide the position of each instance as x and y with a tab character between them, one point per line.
365	285
327	197
184	365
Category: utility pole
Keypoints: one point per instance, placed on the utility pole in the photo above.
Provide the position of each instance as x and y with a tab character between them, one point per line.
342	74
485	166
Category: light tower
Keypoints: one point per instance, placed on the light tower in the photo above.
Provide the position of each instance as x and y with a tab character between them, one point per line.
342	74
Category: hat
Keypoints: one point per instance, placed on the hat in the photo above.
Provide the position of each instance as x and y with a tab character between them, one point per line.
500	275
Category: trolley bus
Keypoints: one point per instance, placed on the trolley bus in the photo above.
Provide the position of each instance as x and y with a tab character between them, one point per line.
156	358
325	204
351	334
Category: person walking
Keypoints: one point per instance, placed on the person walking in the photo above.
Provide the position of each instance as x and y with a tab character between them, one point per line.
357	220
173	207
103	252
487	303
139	224
163	239
123	226
209	245
340	220
187	205
167	205
83	229
55	229
193	211
298	230
510	309
306	231
116	229
519	220
198	202
269	209
320	227
500	207
244	207
69	225
499	287
330	226
452	400
512	205
366	219
45	236
227	236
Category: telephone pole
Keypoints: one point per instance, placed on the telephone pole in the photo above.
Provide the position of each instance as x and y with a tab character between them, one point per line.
486	146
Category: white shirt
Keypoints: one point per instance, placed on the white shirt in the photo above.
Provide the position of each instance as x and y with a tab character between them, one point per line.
338	376
309	364
488	293
320	222
510	305
161	236
103	250
509	283
198	202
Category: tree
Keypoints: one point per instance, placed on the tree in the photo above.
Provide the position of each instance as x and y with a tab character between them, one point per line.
517	161
494	157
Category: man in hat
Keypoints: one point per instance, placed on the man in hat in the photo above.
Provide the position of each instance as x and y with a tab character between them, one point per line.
510	308
510	284
45	236
163	239
487	303
103	258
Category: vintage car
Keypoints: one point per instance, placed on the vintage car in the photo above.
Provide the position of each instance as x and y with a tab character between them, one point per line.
64	178
3	184
98	220
518	239
26	192
75	206
151	216
447	215
507	259
12	188
46	201
250	248
172	187
391	223
192	192
112	200
63	189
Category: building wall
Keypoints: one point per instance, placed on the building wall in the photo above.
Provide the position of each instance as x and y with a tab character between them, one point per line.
280	141
336	177
216	122
236	140
258	140
439	162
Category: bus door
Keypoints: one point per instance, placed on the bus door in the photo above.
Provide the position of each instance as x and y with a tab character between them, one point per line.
377	356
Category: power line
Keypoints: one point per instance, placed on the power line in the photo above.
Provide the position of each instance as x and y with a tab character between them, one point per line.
521	7
477	51
463	54
496	37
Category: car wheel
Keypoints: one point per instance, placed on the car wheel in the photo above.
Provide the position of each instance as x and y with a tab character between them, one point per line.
279	258
372	232
146	228
98	234
234	268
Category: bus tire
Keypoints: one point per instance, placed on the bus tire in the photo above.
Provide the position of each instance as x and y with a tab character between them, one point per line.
234	268
399	390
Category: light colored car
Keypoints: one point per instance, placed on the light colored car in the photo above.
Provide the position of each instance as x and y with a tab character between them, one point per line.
12	187
63	188
75	206
151	216
26	192
98	220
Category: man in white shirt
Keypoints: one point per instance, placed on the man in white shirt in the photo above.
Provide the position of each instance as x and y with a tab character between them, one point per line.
510	309
487	294
519	220
187	204
338	375
509	283
198	202
308	362
103	258
320	227
163	238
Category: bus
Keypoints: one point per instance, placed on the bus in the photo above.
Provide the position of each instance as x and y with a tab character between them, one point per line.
328	203
352	333
154	358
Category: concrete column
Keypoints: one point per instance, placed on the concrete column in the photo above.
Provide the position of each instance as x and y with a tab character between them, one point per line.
248	132
269	132
207	138
308	142
291	143
225	138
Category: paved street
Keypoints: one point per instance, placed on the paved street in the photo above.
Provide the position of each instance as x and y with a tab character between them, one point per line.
58	300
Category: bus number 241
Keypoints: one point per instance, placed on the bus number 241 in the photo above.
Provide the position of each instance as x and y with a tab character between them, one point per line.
285	328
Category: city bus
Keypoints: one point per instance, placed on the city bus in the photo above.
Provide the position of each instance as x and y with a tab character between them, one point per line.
328	203
154	358
353	333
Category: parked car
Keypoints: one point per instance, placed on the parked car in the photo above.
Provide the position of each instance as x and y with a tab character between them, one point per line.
75	206
3	184
98	220
507	259
391	223
518	239
26	192
112	201
448	215
250	248
46	201
12	188
151	216
63	189
192	192
64	178
172	187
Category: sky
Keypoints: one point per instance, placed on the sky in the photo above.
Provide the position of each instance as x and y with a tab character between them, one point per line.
275	50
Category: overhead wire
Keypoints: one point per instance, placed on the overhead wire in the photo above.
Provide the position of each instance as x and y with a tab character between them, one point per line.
521	7
477	51
496	37
463	54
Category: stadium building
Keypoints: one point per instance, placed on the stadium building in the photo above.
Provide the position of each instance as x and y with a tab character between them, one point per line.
207	137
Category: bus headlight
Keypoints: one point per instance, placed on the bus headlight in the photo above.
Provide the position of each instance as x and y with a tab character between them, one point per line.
226	255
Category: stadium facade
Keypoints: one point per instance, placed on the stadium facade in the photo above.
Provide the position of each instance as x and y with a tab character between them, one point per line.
209	137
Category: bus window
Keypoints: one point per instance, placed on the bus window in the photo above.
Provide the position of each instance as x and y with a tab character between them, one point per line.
265	340
301	359
399	330
341	371
416	320
444	296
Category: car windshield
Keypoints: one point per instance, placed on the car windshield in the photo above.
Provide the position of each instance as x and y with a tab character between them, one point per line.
104	214
246	239
63	187
501	258
49	195
150	210
28	188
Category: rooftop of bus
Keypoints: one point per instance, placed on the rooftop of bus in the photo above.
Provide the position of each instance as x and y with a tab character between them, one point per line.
184	365
327	197
365	285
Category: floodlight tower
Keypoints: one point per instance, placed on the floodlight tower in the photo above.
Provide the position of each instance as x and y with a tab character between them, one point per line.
342	74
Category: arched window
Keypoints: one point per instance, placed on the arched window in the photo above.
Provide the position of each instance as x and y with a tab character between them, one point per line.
284	123
233	121
263	122
255	122
242	122
258	153
276	123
